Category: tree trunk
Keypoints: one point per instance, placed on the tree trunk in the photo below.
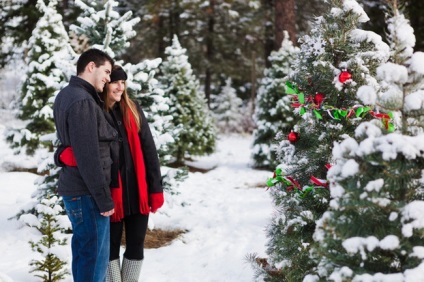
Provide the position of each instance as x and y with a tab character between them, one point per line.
174	20
253	81
269	31
285	19
209	49
161	42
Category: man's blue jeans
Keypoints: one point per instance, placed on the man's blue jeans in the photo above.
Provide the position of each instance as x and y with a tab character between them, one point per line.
90	239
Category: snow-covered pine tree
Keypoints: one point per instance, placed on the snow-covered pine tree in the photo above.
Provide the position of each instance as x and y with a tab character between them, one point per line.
60	61
190	113
50	61
273	111
144	88
48	49
102	27
373	228
50	223
227	109
334	60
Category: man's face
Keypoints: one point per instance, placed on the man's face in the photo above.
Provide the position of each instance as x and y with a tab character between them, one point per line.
101	76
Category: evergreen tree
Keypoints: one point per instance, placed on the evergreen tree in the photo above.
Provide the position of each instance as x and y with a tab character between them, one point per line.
372	230
145	89
50	60
101	27
273	112
228	110
222	37
61	62
333	62
48	49
50	246
17	20
190	114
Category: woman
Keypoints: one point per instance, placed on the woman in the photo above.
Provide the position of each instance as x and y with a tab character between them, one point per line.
140	188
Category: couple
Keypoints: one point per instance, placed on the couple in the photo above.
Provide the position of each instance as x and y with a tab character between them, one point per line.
110	170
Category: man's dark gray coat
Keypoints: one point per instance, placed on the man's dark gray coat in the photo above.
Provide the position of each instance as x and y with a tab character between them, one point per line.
82	124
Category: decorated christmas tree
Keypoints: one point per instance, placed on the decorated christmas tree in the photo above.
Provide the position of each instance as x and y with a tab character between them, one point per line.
273	111
374	227
190	113
228	110
334	61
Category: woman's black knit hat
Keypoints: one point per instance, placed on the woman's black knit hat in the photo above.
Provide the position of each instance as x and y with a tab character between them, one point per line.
118	74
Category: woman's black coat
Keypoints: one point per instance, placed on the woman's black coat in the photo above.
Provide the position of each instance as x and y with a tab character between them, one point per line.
126	164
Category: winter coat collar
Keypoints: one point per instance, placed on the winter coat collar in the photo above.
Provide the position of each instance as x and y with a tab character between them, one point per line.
79	82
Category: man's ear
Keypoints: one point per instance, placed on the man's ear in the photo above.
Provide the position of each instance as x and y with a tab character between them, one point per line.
90	67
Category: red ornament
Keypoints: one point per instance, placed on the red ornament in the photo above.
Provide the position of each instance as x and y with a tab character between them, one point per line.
319	97
293	137
344	76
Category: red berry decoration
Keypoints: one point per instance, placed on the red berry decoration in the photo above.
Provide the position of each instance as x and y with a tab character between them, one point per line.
318	98
293	137
344	76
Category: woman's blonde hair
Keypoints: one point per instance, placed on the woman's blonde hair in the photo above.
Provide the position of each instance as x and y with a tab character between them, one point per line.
126	105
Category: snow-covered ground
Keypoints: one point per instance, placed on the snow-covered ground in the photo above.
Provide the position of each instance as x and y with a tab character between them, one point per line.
225	211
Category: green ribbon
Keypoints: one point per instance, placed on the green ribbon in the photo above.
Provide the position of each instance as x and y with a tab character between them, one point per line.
291	88
361	110
337	114
306	191
279	178
317	114
390	126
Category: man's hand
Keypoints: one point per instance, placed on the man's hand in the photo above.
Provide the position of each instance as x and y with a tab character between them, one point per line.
108	213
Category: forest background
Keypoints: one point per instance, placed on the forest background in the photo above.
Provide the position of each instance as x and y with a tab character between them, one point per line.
224	38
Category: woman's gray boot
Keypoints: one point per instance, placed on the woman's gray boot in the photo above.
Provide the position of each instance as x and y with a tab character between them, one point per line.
131	270
113	273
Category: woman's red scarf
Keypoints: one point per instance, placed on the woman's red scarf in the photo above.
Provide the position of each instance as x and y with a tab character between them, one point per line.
140	171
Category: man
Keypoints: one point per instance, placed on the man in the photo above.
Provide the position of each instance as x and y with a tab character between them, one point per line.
83	129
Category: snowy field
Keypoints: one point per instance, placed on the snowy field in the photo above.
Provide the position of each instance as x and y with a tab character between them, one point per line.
225	211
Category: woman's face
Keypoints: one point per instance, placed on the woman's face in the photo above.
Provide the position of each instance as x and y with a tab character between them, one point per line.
114	91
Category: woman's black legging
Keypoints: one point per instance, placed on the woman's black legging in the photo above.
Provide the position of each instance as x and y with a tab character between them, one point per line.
135	232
